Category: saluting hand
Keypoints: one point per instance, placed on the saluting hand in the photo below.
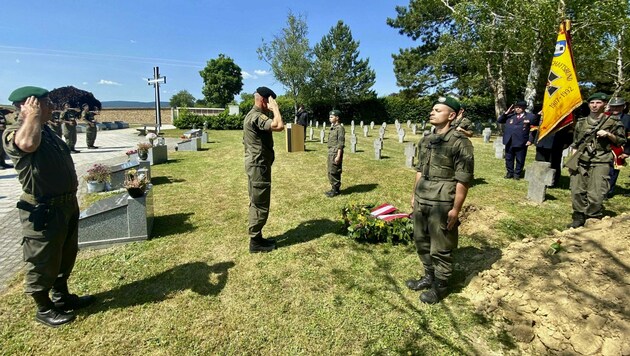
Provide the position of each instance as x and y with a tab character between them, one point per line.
273	104
31	108
509	110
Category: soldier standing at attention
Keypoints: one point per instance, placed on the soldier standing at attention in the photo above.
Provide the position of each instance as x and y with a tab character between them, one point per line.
3	126
69	118
55	123
259	156
444	173
90	130
48	206
592	140
336	143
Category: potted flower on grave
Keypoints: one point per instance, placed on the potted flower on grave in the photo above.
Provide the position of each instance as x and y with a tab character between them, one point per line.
97	177
136	184
151	136
130	154
143	150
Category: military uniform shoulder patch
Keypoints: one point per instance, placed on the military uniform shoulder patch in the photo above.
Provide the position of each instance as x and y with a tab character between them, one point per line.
9	136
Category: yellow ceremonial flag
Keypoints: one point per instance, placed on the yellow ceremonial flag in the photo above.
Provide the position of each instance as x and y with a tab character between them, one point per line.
562	93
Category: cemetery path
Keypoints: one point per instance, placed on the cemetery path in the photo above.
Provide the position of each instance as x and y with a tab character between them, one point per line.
574	301
112	147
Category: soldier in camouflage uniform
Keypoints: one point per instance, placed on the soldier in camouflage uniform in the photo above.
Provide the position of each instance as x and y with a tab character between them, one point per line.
444	172
259	156
90	130
69	118
48	207
336	143
462	124
591	180
55	123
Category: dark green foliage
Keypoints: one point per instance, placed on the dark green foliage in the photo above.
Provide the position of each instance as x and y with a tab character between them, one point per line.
222	80
73	96
223	121
182	99
358	224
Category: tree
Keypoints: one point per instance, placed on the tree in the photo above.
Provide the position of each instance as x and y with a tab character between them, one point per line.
289	56
222	80
74	97
338	75
182	99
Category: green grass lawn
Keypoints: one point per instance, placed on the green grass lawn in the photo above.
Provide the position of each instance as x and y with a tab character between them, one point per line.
195	289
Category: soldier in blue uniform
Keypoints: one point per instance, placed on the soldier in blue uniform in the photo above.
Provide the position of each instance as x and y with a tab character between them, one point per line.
516	138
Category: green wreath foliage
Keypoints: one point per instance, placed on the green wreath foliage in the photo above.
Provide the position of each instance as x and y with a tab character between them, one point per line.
358	224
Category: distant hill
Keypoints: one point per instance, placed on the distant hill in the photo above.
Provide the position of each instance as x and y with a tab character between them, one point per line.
132	104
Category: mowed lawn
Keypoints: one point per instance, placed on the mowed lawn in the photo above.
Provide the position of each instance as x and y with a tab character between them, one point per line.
195	289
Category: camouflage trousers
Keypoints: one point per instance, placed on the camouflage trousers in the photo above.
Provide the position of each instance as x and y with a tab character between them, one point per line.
259	188
90	136
334	171
50	254
434	243
70	134
589	185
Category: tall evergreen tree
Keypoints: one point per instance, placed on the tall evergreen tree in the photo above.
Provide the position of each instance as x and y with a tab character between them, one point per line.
338	75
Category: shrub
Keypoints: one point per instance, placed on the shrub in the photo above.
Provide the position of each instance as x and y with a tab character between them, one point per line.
360	225
186	119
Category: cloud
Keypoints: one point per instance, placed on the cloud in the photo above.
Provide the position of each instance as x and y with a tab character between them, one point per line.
107	82
85	83
132	41
17	60
247	75
261	72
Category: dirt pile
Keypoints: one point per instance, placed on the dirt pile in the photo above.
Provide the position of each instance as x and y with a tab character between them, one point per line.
575	301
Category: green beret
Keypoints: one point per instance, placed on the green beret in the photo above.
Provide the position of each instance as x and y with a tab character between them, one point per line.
335	113
450	102
616	101
598	96
23	93
265	92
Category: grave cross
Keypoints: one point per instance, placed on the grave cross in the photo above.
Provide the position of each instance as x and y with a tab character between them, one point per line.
310	133
156	84
410	154
539	175
378	146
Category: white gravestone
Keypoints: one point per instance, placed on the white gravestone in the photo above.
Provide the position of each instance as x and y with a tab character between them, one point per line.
401	135
365	131
410	154
310	133
322	136
414	129
372	125
378	146
499	149
353	143
487	132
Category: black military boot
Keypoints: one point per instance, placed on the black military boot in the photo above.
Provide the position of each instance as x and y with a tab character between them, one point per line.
47	313
578	220
422	283
63	300
260	244
439	290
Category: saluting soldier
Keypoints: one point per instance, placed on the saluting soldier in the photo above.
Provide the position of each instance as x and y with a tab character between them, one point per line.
258	131
444	172
48	207
3	126
336	143
592	138
69	118
55	123
90	130
463	124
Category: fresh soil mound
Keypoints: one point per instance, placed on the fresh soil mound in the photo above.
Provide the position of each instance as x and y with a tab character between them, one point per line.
575	301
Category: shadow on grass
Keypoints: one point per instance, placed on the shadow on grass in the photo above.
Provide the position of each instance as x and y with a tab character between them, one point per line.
171	224
306	231
478	181
360	188
165	180
195	276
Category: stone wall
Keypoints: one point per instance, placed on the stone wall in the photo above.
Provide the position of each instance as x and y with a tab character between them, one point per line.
144	116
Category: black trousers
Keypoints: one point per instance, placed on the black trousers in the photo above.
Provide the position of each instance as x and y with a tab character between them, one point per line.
517	154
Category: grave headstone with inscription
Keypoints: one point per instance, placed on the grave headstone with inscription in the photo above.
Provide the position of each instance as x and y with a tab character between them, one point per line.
353	143
410	155
322	136
487	132
401	135
378	147
499	149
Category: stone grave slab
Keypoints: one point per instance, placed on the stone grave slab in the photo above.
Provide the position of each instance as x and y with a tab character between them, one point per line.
117	219
410	155
194	144
539	175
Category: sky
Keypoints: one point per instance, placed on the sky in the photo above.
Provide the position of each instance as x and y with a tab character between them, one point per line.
110	47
